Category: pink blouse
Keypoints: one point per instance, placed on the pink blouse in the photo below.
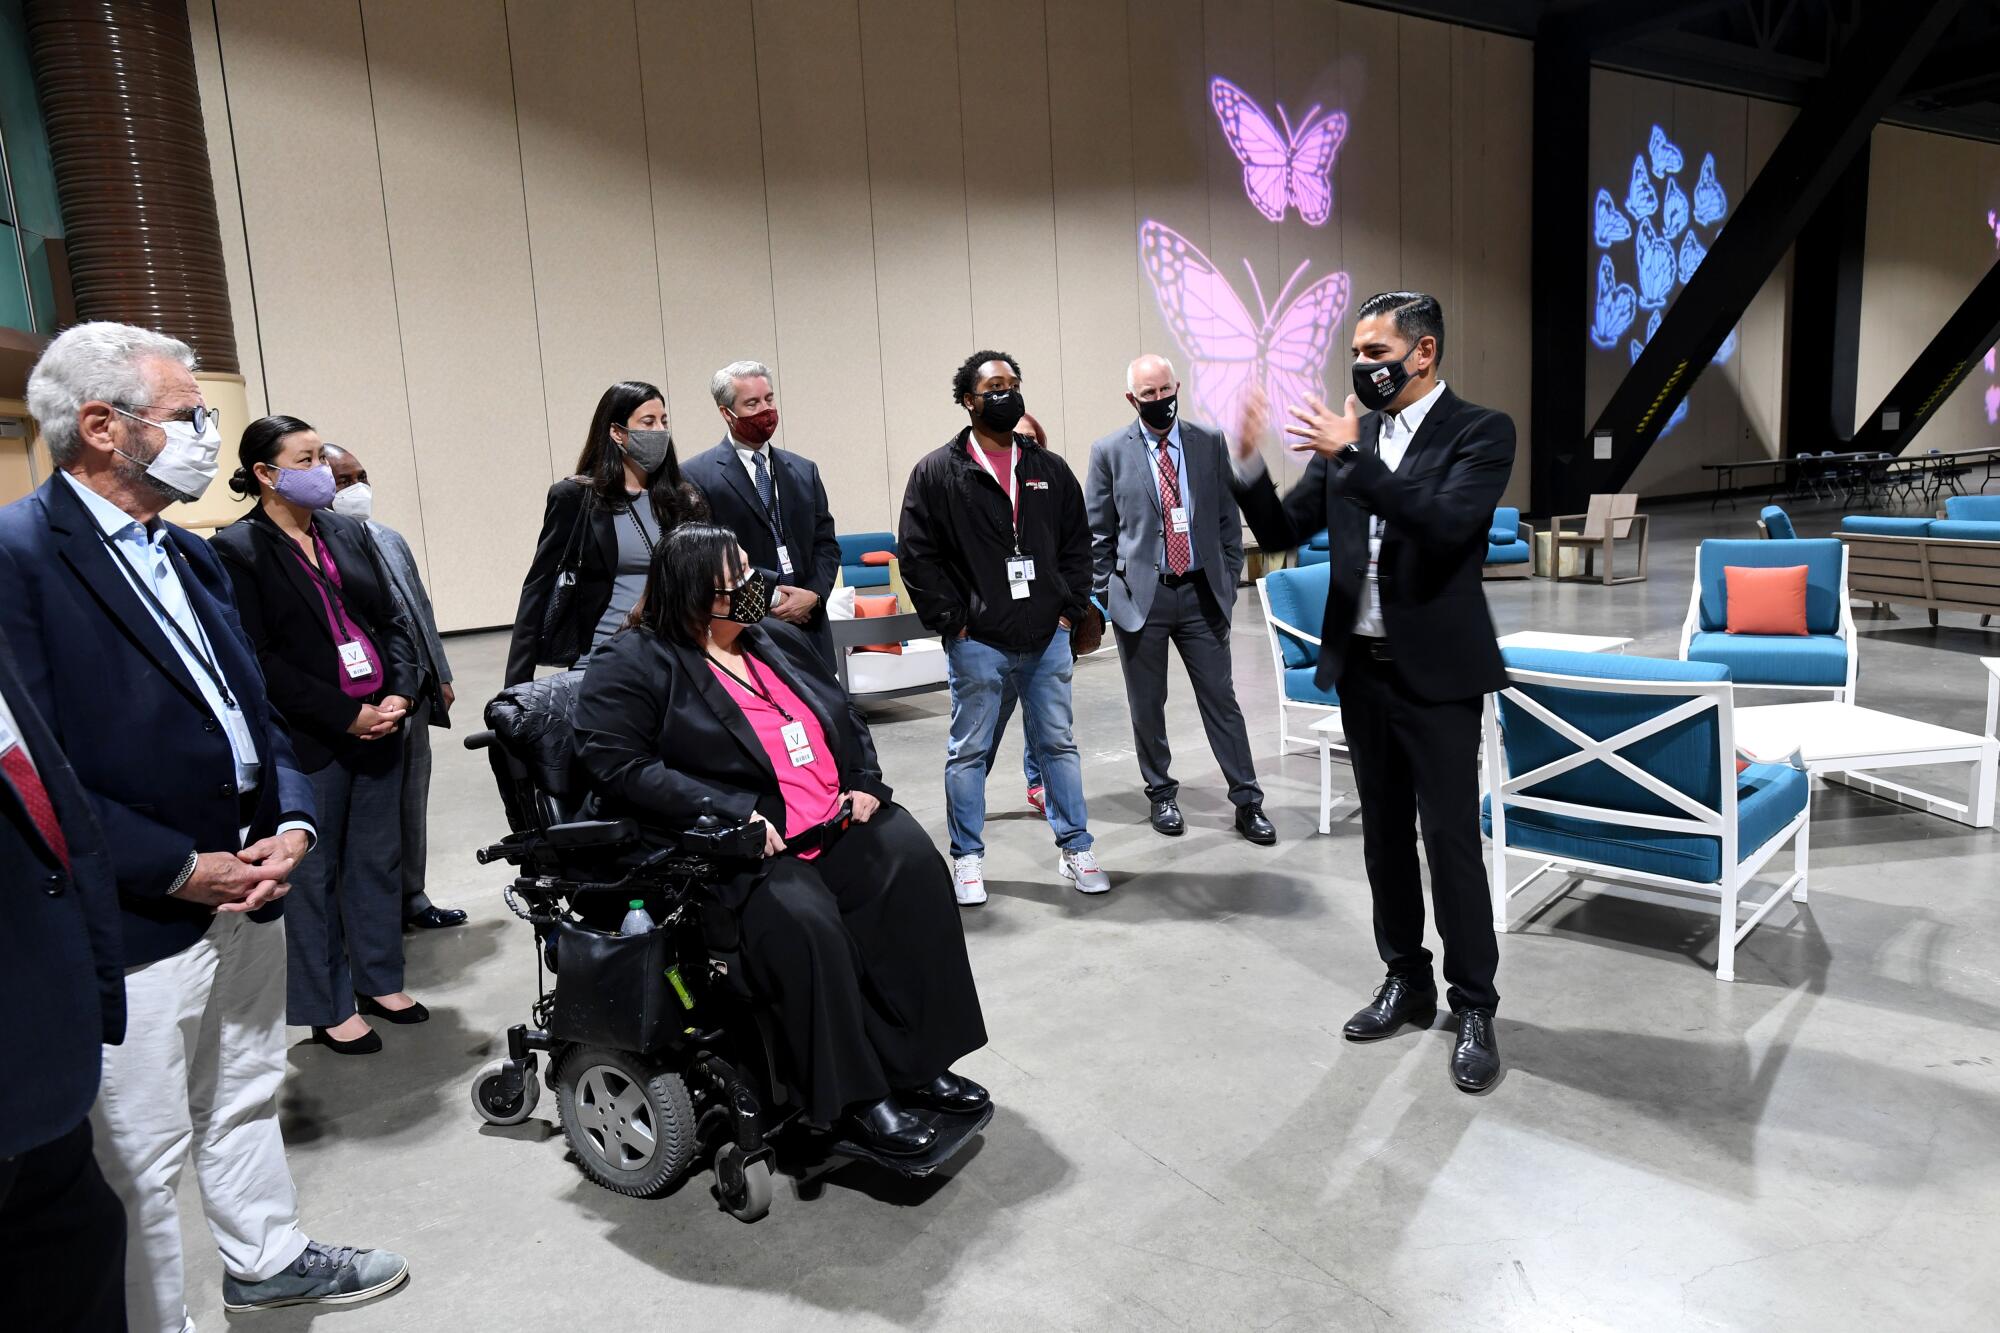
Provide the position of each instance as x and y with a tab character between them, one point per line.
811	791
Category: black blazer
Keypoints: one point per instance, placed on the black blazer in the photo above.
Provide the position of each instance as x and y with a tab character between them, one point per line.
118	699
657	732
285	617
62	982
802	504
597	567
1436	510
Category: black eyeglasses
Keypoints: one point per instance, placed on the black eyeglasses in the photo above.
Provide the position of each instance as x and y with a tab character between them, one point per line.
201	418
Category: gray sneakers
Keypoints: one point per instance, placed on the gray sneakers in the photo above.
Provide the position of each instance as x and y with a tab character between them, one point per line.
323	1275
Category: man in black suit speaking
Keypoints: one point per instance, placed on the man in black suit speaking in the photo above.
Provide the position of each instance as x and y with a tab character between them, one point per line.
773	501
1404	481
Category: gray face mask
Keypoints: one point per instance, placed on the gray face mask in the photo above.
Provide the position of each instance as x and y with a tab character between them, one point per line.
648	448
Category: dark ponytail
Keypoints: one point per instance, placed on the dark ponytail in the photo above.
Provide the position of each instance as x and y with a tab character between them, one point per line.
260	442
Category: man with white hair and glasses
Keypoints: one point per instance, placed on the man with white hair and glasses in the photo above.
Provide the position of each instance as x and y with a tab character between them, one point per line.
128	643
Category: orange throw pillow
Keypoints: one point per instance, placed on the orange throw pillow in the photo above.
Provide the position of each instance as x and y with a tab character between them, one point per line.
867	607
1766	601
877	558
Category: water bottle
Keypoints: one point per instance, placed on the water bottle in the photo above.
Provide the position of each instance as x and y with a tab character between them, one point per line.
636	921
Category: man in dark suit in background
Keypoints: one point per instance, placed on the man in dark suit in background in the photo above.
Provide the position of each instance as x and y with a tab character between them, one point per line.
773	501
1167	547
62	1229
1405	490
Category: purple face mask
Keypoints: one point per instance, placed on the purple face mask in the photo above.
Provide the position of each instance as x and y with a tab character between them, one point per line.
308	488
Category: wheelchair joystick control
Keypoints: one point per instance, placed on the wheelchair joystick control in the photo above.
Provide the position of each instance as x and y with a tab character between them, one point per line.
707	820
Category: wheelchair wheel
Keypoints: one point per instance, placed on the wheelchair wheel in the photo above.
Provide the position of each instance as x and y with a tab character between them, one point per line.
629	1122
495	1102
743	1187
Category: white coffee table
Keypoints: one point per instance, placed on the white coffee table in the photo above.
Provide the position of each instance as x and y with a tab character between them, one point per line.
1841	742
1574	643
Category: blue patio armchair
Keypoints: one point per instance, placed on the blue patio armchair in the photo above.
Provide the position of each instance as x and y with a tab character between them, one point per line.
1294	602
1824	658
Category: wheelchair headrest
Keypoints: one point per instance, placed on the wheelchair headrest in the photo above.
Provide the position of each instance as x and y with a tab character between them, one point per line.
532	722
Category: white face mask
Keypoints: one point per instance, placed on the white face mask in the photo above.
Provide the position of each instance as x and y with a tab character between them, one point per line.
186	462
356	501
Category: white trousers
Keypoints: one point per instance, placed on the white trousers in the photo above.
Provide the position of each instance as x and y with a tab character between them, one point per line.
203	1057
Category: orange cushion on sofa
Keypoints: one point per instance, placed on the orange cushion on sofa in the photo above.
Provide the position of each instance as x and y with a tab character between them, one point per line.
866	607
876	558
1766	601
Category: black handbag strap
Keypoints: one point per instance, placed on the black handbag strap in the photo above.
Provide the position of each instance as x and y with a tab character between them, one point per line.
572	558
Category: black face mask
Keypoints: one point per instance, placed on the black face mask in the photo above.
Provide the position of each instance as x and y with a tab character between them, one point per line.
1159	414
749	600
1376	383
1001	410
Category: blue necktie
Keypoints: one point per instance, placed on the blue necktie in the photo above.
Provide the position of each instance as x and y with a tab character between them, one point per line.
763	481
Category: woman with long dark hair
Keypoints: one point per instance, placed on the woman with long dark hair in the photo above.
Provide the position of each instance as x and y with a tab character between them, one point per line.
316	603
848	924
599	531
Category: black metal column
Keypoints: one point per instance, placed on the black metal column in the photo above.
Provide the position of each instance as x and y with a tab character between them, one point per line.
1825	316
1559	302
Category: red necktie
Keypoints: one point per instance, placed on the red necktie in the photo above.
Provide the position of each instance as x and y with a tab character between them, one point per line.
28	786
1178	556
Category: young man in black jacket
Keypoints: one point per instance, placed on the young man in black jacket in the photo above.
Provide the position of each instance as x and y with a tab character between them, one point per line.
995	550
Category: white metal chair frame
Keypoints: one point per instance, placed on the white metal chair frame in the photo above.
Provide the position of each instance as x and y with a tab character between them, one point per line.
1842	693
1719	823
1272	627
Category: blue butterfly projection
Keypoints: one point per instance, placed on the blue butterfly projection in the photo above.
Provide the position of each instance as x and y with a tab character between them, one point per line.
1671	229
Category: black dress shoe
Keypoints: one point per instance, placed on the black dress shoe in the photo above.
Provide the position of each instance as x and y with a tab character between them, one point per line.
1167	818
435	918
1397	1001
948	1092
1475	1059
366	1044
1250	822
416	1013
888	1128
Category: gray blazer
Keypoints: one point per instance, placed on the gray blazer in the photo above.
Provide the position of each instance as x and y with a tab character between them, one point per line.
415	603
1127	528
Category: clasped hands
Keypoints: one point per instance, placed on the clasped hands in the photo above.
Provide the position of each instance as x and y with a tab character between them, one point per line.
794	605
1315	425
247	880
861	804
375	721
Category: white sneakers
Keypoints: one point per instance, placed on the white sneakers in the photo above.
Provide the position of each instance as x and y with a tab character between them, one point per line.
1082	867
968	874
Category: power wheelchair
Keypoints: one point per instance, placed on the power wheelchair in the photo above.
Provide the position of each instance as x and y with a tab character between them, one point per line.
659	1050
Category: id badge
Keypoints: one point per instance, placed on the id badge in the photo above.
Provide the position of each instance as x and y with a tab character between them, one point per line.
793	734
237	727
355	658
1021	569
784	560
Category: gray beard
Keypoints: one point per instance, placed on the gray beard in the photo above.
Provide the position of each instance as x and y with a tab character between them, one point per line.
145	485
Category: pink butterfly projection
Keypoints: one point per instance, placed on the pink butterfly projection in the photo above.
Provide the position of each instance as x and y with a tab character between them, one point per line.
1229	350
1292	167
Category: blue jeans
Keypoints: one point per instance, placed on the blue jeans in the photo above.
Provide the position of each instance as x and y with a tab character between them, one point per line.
979	674
1029	768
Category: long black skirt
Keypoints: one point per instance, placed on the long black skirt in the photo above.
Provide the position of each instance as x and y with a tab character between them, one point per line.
862	957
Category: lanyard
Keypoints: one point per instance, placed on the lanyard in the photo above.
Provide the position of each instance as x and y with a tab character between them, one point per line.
336	599
757	688
152	598
1011	486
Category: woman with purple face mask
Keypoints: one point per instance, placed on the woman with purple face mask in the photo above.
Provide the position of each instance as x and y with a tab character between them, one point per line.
316	604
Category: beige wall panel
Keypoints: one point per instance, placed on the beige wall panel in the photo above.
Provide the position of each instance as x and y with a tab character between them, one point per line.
1426	78
916	178
823	256
590	207
1097	224
451	181
1010	204
1369	182
312	212
1759	366
711	233
202	26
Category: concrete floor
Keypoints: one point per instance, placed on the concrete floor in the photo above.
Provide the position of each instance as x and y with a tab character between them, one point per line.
1184	1140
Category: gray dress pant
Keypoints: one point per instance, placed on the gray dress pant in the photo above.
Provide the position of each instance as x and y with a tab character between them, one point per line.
344	915
416	805
1189	618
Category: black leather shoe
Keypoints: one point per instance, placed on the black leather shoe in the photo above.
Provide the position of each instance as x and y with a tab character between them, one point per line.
366	1044
416	1013
435	918
948	1092
1250	822
888	1128
1397	1001
1475	1059
1167	818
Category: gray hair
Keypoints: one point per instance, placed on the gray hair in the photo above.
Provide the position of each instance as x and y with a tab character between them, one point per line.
1148	356
98	362
723	386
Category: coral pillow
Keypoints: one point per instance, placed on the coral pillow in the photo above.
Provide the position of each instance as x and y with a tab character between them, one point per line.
865	607
1766	601
877	558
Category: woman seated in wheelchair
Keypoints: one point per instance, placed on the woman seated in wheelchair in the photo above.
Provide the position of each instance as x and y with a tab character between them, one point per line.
848	922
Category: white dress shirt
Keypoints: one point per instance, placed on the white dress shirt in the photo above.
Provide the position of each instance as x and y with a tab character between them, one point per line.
1398	429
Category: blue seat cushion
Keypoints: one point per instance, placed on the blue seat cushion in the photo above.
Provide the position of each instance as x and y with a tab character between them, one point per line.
1967	529
1313	556
1821	556
1778	523
1298	597
1979	508
865	576
1319	541
1883	525
1299	688
1515	552
1506	526
1768	796
1773	659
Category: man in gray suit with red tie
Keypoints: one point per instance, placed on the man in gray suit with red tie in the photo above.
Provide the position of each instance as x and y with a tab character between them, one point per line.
1167	547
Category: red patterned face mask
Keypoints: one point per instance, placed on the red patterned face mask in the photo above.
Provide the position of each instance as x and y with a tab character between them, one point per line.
757	427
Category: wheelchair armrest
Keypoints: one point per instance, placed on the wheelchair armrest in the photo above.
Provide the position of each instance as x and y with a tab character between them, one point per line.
479	740
590	833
